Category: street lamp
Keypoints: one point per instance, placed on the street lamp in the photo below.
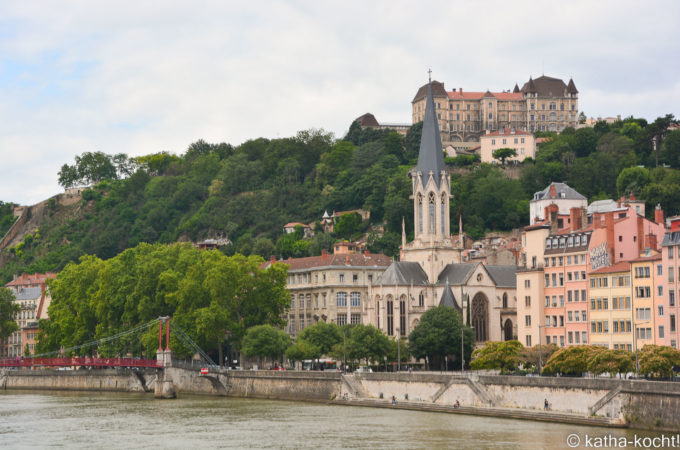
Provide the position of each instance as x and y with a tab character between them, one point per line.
540	354
637	363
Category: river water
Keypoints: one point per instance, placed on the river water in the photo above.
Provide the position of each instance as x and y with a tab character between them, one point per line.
130	421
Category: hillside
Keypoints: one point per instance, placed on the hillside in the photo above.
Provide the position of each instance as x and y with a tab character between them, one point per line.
247	193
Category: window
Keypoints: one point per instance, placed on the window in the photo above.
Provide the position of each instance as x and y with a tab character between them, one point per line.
660	290
342	319
569	317
342	278
527	283
671	298
660	331
341	299
528	340
421	299
370	278
355	319
527	301
527	320
670	274
355	299
324	299
660	314
670	252
672	324
355	278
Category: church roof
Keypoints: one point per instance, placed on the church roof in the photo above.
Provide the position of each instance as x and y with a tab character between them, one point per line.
430	156
503	276
448	299
402	273
456	274
437	90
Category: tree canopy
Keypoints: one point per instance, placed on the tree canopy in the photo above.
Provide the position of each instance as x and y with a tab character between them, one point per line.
265	341
212	297
8	310
438	334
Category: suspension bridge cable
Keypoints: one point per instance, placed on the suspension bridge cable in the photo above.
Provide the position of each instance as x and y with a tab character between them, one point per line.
186	340
99	341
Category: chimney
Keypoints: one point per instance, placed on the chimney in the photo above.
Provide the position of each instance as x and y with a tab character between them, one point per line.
347	259
640	232
367	252
632	197
461	90
650	241
658	214
575	218
324	254
609	225
272	259
584	217
553	193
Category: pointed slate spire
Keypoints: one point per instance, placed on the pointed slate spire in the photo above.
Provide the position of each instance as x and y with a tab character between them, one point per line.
430	157
532	86
448	299
516	90
571	87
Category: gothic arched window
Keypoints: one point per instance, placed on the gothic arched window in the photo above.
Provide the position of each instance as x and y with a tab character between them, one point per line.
432	219
420	213
443	214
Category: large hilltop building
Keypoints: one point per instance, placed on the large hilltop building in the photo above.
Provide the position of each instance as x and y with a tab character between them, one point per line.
542	104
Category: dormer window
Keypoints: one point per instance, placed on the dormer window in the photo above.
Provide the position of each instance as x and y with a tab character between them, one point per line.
562	242
570	241
547	244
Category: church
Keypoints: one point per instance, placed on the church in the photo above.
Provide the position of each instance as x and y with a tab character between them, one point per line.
430	271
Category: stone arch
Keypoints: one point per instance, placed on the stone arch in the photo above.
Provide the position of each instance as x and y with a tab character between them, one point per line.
479	316
508	330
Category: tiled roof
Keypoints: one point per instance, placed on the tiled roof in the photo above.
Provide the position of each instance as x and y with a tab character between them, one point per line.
36	279
457	95
345	260
508	132
29	293
546	86
503	276
456	274
560	188
437	91
295	224
403	273
623	266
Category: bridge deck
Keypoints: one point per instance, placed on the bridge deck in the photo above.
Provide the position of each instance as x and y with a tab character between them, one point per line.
80	361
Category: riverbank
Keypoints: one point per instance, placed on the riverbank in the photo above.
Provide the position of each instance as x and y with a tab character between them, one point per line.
597	402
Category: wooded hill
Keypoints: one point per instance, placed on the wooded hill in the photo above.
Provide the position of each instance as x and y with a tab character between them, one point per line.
247	193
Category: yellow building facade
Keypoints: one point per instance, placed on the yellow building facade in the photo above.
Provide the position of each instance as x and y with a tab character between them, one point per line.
611	313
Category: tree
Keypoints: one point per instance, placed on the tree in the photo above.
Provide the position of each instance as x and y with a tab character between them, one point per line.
321	335
632	180
8	311
670	149
439	334
93	167
530	355
302	350
503	356
656	360
504	153
570	360
265	341
366	342
610	361
347	225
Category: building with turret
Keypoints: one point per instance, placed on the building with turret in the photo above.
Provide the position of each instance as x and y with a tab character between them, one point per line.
542	104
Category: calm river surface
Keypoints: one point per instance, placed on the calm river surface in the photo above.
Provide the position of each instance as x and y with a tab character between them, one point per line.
127	421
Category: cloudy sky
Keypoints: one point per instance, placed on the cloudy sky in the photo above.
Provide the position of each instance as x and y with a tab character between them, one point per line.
140	77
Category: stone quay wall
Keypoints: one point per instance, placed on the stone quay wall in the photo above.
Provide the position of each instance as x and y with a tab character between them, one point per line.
639	404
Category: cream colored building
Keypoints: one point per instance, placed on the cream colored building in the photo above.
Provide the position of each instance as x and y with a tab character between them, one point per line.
523	142
647	286
543	104
611	320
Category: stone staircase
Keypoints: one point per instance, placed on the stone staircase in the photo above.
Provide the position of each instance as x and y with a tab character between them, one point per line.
604	400
354	386
480	391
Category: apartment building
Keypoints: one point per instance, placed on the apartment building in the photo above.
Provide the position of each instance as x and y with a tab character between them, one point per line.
666	306
647	290
523	142
611	322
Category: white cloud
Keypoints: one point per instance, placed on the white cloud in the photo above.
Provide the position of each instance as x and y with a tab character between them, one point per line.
136	77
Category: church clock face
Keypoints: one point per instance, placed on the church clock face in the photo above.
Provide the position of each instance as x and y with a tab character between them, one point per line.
479	277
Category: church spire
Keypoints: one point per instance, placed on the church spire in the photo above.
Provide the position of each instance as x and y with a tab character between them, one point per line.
430	156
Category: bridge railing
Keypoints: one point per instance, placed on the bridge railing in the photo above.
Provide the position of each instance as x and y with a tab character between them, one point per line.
83	361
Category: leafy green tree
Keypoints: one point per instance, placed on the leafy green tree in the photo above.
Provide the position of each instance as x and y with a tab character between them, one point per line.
504	153
347	225
92	167
610	361
264	247
302	350
366	342
632	180
321	335
412	144
439	334
8	311
265	341
670	149
656	360
503	356
387	244
571	360
530	355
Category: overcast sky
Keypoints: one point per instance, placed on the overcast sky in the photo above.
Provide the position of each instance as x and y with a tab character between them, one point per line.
140	77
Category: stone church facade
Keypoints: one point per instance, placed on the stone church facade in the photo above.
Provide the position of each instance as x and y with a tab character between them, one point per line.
430	271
